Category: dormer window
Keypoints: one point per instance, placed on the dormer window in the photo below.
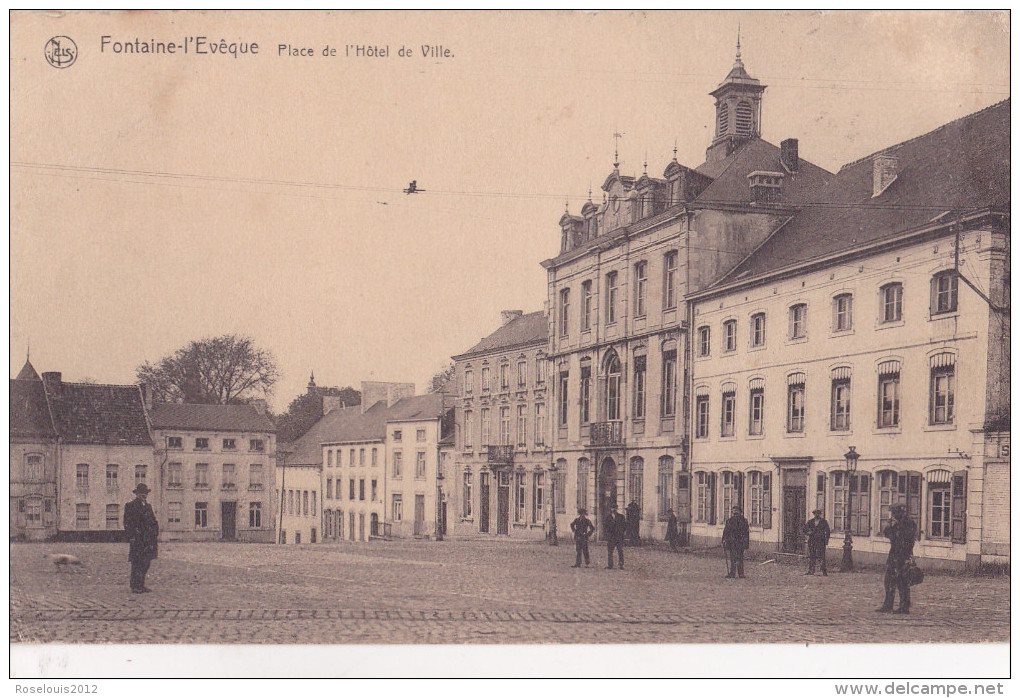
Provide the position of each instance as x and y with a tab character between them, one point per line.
765	186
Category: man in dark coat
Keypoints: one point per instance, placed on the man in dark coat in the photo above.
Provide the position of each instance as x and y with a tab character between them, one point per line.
736	538
142	531
816	531
672	531
634	522
616	528
901	534
583	528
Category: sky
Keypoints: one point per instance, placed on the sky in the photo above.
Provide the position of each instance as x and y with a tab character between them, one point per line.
157	199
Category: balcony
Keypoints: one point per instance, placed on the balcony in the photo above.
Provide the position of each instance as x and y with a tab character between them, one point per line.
606	434
500	456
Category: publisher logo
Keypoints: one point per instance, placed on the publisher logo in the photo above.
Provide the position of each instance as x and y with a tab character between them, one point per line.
61	52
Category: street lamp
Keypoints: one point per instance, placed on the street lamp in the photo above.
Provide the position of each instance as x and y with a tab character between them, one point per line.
850	457
439	505
552	505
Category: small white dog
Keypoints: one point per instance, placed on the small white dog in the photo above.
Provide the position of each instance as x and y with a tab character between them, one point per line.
63	560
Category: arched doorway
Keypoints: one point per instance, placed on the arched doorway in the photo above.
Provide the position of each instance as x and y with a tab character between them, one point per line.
607	490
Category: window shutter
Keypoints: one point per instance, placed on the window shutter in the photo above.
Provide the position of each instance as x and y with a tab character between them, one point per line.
711	498
683	498
959	506
738	486
766	500
914	499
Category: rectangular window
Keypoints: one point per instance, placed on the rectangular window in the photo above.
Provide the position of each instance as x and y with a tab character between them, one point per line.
842	308
857	491
173	512
730	335
729	404
758	330
255	476
201	476
111	478
943	387
329	488
798	321
585	399
665	487
419	465
795	408
466	431
944	289
304	502
81	515
112	516
582	483
174	475
350	455
486	427
396	508
361	451
701	416
537	497
201	514
520	498
705	491
611	296
820	492
141	472
256	445
939	510
465	497
760	492
640	288
504	376
540	369
889	400
315	509
504	426
757	416
539	424
486	378
522	373
564	311
733	492
374	490
202	444
255	515
350	489
229	444
81	476
562	397
636	483
398	462
704	340
228	480
361	490
669	282
559	483
840	417
375	456
522	426
639	386
669	383
892	302
174	442
290	502
469	380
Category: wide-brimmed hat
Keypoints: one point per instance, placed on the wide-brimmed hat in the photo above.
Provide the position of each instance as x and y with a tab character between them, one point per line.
141	489
816	511
898	507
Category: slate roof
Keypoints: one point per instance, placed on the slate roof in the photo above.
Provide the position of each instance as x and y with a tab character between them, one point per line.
30	415
730	183
98	414
963	164
209	418
526	329
345	424
28	372
418	407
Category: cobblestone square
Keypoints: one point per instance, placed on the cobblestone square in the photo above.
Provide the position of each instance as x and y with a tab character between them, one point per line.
472	591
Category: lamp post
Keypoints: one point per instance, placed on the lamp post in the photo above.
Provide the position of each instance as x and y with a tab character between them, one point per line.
439	505
552	505
850	457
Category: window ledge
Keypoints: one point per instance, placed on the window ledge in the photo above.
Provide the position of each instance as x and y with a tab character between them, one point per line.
842	333
728	352
939	427
536	525
760	347
889	325
794	435
932	317
840	432
755	437
879	431
936	542
796	340
727	438
519	525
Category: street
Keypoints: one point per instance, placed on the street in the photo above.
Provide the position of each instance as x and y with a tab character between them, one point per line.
472	591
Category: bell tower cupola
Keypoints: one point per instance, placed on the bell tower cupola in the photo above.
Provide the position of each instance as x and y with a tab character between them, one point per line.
737	110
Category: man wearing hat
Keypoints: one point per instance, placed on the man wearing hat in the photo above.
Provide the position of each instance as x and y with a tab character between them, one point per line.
616	529
582	528
142	531
902	533
736	538
816	531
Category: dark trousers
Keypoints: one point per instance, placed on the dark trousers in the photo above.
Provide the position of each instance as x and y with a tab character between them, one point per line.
139	568
816	551
674	544
736	563
895	579
618	544
581	545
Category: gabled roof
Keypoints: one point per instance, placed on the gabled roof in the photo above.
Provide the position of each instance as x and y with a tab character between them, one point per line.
345	424
419	407
524	330
192	417
961	165
756	155
86	413
30	415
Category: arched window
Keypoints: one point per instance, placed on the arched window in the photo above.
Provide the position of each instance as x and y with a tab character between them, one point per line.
613	378
33	467
636	481
665	487
583	469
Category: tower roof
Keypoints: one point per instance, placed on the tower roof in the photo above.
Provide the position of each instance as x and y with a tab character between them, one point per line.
28	373
738	77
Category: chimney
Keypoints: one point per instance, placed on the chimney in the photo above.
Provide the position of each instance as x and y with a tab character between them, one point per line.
508	316
52	382
381	391
788	154
885	169
765	186
259	405
330	403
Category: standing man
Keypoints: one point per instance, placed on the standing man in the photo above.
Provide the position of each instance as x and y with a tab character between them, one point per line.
582	528
672	531
634	522
901	534
816	531
616	527
736	538
142	531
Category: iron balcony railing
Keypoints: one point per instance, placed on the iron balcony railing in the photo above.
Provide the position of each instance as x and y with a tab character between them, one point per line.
501	455
606	434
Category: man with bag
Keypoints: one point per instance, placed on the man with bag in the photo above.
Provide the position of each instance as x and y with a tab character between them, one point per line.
901	534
